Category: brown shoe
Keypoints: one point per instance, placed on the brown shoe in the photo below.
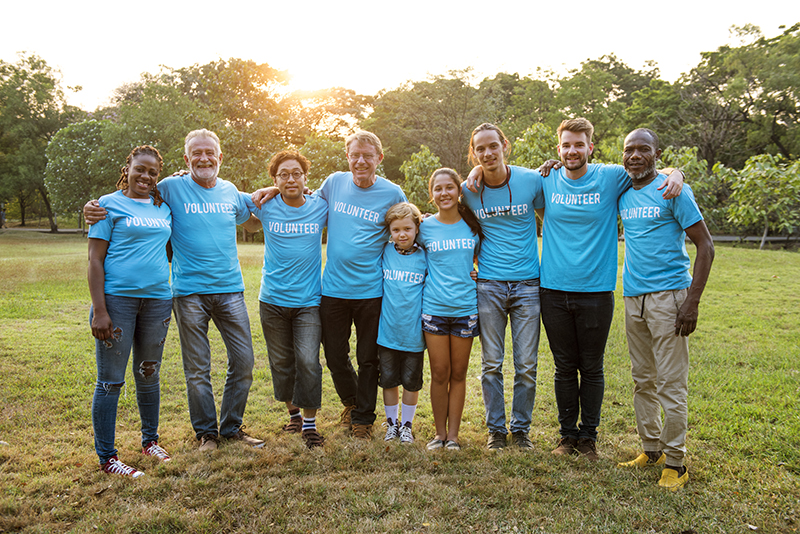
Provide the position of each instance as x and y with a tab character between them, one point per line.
344	419
247	439
312	438
588	449
208	442
361	431
294	426
566	446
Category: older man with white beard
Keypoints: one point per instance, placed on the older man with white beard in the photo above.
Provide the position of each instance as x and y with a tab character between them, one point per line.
207	285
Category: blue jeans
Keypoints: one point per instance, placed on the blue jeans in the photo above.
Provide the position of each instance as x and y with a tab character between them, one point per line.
577	326
229	313
293	336
498	301
140	324
359	389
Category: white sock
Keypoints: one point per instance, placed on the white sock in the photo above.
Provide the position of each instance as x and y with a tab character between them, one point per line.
309	423
408	413
391	413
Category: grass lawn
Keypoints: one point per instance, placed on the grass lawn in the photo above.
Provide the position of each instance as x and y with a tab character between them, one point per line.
744	430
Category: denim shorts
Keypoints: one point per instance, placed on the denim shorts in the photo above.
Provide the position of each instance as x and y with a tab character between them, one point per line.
454	326
401	368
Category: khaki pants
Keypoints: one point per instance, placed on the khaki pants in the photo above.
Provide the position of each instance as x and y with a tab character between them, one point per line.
660	369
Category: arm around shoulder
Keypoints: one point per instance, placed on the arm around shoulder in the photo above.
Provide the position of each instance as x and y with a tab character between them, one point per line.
92	212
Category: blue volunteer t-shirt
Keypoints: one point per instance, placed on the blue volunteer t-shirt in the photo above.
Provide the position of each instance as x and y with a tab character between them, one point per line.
655	241
136	260
400	326
579	234
510	248
205	260
449	290
356	235
292	272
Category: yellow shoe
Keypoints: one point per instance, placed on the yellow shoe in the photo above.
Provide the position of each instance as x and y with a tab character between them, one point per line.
643	461
671	480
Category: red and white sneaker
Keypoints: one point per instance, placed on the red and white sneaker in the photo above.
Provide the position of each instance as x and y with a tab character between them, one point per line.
115	467
154	449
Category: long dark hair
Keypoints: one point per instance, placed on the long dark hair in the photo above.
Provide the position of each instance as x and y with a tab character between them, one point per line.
463	210
146	150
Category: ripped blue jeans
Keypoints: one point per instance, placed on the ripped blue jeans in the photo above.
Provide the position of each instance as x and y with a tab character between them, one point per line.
140	324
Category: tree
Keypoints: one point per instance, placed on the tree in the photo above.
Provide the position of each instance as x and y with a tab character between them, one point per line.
77	168
32	110
244	98
601	91
326	156
767	191
417	171
440	114
536	145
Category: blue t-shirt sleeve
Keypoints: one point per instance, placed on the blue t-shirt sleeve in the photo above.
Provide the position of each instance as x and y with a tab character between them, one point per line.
242	209
102	229
685	209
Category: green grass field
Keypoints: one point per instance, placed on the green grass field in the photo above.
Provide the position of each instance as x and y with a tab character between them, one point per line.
744	435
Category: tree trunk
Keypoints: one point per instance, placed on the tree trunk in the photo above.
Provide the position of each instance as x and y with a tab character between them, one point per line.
764	237
22	211
53	224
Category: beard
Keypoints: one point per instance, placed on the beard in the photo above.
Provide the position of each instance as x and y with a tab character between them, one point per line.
643	174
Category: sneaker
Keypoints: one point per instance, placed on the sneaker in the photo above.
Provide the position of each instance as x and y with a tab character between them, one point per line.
153	449
114	467
671	481
247	439
361	431
566	446
588	449
405	434
497	441
452	445
209	442
434	444
392	432
294	426
520	439
643	460
312	438
344	418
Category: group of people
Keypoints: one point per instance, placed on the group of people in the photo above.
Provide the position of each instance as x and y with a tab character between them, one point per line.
407	283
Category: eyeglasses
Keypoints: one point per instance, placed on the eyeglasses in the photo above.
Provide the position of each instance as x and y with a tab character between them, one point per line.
367	157
285	175
504	210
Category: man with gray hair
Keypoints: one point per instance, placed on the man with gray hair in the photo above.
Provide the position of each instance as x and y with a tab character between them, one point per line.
207	285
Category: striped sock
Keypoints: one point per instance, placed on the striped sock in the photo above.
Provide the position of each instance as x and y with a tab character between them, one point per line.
309	423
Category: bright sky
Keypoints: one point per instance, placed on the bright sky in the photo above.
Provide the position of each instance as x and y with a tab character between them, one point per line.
372	45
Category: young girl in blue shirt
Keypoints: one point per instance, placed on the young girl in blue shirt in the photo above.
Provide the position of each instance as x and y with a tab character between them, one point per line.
449	304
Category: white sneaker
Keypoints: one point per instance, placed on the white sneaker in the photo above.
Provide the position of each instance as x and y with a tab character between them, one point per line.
154	449
115	467
405	434
392	431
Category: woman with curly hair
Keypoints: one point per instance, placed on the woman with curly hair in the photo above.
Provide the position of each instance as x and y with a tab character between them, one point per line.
131	303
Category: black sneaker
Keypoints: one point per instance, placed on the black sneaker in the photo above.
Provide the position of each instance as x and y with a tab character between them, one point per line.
496	442
520	439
